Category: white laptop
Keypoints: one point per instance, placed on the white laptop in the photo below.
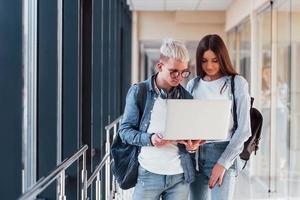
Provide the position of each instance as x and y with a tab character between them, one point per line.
197	119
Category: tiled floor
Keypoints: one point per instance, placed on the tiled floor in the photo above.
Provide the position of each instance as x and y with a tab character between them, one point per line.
254	189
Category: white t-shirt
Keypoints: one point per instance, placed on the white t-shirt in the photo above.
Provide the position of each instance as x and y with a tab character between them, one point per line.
163	160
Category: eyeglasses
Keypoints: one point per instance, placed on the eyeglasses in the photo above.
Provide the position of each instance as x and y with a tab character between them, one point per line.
174	73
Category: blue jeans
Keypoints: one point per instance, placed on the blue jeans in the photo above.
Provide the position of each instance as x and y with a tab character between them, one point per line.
208	156
152	186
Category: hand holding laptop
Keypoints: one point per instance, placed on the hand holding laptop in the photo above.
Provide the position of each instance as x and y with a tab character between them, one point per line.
158	141
192	145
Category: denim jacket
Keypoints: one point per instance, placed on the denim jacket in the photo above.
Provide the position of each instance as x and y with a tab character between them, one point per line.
134	125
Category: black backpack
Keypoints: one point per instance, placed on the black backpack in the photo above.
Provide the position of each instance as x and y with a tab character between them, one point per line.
256	119
125	156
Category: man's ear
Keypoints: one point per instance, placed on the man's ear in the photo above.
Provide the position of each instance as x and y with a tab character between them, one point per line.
159	66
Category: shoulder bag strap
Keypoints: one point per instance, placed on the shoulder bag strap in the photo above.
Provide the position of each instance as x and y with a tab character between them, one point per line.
235	125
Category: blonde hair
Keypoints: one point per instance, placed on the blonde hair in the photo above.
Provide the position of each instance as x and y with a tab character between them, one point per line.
171	48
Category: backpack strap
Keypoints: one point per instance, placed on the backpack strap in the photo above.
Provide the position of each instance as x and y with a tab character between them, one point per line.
141	102
235	122
141	97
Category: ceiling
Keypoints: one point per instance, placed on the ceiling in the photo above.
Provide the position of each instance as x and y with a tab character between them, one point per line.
173	5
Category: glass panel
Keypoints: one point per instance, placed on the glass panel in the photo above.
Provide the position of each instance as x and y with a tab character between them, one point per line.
262	166
294	173
231	46
282	97
244	32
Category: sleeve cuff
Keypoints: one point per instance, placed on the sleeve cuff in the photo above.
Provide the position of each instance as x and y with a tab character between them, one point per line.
146	139
151	144
224	163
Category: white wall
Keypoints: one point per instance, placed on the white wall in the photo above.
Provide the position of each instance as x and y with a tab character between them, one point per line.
180	24
183	25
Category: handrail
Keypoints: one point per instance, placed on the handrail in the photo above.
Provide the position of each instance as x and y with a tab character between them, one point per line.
113	123
45	181
106	161
98	169
59	173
